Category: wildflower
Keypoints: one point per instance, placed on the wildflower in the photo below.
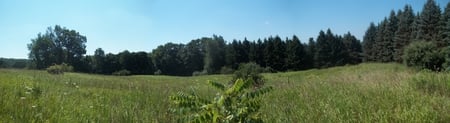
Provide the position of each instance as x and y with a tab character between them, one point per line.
22	98
33	106
77	86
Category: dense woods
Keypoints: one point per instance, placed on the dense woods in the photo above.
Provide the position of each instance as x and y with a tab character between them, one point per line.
382	42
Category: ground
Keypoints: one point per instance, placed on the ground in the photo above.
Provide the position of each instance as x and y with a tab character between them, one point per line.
369	92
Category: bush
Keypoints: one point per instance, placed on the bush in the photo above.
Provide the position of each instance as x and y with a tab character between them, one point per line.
199	73
423	55
122	73
226	70
234	104
250	71
59	69
445	52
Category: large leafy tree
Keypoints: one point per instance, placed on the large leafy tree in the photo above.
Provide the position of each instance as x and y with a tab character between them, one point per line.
58	45
215	54
167	60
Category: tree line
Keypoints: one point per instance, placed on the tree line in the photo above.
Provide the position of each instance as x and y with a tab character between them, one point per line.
383	42
386	41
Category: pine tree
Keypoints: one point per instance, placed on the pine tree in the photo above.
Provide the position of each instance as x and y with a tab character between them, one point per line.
310	51
295	54
353	49
403	34
428	23
369	43
380	46
445	26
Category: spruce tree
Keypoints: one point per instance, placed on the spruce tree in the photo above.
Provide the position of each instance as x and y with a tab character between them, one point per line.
428	24
445	26
353	49
295	54
369	43
404	31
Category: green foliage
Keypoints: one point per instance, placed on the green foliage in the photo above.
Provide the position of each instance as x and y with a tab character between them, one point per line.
58	45
59	69
423	55
237	103
250	71
123	72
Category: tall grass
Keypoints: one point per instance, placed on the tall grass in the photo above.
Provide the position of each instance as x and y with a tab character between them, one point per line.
362	93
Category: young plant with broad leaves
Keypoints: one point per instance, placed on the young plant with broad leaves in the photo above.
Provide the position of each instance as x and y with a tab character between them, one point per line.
236	103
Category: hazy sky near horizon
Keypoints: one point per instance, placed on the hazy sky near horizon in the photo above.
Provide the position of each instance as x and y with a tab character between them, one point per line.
142	25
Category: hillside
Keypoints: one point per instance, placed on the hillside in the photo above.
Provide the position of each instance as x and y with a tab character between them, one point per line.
369	92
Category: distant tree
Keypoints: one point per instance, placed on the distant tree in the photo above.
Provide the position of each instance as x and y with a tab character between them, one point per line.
193	55
58	45
403	33
310	53
330	50
353	47
295	54
428	24
167	60
41	51
369	41
215	54
232	54
111	64
98	61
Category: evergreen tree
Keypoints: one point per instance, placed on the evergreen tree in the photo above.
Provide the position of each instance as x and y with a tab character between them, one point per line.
329	50
310	53
369	43
353	47
279	53
403	34
295	54
445	26
428	24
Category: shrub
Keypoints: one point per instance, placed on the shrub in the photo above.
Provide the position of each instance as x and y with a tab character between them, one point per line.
250	71
123	72
445	52
423	55
234	104
199	73
226	70
59	69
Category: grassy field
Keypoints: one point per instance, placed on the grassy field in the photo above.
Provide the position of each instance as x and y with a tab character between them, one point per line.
363	93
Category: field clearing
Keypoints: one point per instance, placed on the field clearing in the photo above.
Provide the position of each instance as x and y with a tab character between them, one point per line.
368	92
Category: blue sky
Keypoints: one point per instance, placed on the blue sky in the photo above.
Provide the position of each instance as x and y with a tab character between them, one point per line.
142	25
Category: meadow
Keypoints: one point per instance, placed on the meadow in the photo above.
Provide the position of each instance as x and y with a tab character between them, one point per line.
369	92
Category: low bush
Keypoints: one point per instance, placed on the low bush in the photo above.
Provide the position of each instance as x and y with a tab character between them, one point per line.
122	73
250	71
59	69
423	55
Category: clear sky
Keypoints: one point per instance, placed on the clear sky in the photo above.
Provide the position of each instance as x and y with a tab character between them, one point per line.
142	25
